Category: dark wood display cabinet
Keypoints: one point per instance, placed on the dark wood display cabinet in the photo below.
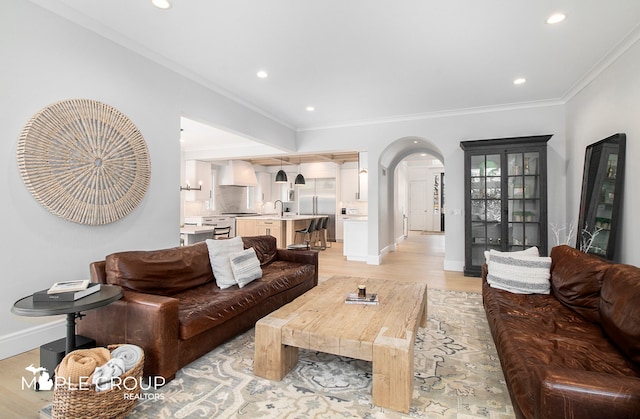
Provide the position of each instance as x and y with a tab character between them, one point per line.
601	199
505	197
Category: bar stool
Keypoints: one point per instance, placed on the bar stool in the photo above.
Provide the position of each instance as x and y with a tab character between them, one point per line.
307	232
219	232
322	231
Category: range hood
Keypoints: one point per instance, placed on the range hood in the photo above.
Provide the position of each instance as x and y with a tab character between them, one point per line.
238	173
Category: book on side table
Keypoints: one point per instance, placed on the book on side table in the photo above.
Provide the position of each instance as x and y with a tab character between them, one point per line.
47	296
352	298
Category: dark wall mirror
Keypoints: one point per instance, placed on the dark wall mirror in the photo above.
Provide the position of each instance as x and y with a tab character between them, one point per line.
601	198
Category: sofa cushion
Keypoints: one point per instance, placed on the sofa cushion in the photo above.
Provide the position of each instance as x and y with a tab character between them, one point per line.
576	279
517	273
206	307
245	266
220	252
265	247
160	272
620	308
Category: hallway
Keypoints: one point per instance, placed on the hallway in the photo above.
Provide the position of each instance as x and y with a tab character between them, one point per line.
418	258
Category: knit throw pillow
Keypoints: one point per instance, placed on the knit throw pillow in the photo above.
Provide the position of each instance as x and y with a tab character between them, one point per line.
245	266
219	254
519	274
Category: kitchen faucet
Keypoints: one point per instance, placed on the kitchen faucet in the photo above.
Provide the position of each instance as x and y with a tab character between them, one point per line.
275	205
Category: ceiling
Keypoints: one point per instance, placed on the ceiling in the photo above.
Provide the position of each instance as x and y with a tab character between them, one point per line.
362	61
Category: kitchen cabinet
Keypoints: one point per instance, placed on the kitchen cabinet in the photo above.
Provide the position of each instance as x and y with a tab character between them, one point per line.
263	190
349	184
197	174
245	227
273	228
505	197
340	230
356	231
363	176
602	190
261	227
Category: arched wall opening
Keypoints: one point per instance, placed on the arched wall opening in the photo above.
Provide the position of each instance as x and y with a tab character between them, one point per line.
389	221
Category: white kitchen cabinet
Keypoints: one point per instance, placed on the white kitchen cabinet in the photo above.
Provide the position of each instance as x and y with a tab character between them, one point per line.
356	239
340	229
197	174
363	176
263	190
348	184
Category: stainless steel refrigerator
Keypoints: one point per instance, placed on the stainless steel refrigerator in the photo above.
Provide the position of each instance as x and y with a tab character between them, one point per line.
318	197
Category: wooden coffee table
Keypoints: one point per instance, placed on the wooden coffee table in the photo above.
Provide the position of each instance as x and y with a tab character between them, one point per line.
320	320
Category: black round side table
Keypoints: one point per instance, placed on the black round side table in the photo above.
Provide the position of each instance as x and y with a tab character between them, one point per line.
27	307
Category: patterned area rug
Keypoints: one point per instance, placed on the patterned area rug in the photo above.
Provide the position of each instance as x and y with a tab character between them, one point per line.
457	375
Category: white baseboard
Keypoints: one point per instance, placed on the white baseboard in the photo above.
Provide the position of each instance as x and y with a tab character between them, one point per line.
453	265
28	339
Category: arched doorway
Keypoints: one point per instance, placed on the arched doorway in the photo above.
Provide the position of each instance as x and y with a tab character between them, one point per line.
388	206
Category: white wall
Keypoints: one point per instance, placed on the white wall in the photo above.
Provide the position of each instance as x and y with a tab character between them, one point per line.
445	133
45	59
610	104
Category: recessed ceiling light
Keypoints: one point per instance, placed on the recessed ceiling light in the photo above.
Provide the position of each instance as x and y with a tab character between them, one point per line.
520	80
161	4
262	74
310	108
556	18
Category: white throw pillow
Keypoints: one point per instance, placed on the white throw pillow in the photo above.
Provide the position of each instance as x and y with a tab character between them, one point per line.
530	251
219	253
519	274
245	266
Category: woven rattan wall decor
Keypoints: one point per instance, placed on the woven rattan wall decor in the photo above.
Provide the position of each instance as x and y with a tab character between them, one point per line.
84	161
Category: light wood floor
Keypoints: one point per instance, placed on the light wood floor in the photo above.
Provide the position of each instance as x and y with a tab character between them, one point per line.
419	258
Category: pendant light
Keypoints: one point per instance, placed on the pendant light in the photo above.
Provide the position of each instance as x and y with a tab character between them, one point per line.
299	178
281	176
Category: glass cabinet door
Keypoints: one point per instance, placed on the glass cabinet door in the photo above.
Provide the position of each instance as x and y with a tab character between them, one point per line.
523	203
486	205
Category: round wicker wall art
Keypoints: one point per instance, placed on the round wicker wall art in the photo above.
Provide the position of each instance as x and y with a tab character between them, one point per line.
84	161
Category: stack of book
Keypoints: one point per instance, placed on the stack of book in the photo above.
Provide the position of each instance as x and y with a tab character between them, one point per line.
66	291
352	298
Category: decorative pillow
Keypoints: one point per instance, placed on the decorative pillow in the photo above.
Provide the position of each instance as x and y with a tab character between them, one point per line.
530	251
219	257
519	274
245	266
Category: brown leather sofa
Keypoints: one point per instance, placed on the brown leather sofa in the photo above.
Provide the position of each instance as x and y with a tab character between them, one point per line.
574	353
173	308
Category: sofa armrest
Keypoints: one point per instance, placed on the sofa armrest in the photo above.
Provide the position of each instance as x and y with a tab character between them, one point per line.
567	393
98	272
147	320
309	257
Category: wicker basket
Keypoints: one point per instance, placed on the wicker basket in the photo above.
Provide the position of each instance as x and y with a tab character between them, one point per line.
71	402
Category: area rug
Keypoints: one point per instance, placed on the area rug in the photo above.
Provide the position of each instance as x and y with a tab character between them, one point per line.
457	375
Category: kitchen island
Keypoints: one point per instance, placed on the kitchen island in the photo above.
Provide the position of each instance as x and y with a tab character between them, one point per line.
283	228
356	232
193	234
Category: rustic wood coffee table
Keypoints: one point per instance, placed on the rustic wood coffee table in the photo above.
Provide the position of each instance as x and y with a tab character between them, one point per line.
320	320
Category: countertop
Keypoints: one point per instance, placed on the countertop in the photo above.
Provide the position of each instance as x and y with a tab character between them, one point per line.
191	229
354	218
276	217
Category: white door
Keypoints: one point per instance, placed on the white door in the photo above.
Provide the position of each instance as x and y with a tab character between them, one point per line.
418	205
